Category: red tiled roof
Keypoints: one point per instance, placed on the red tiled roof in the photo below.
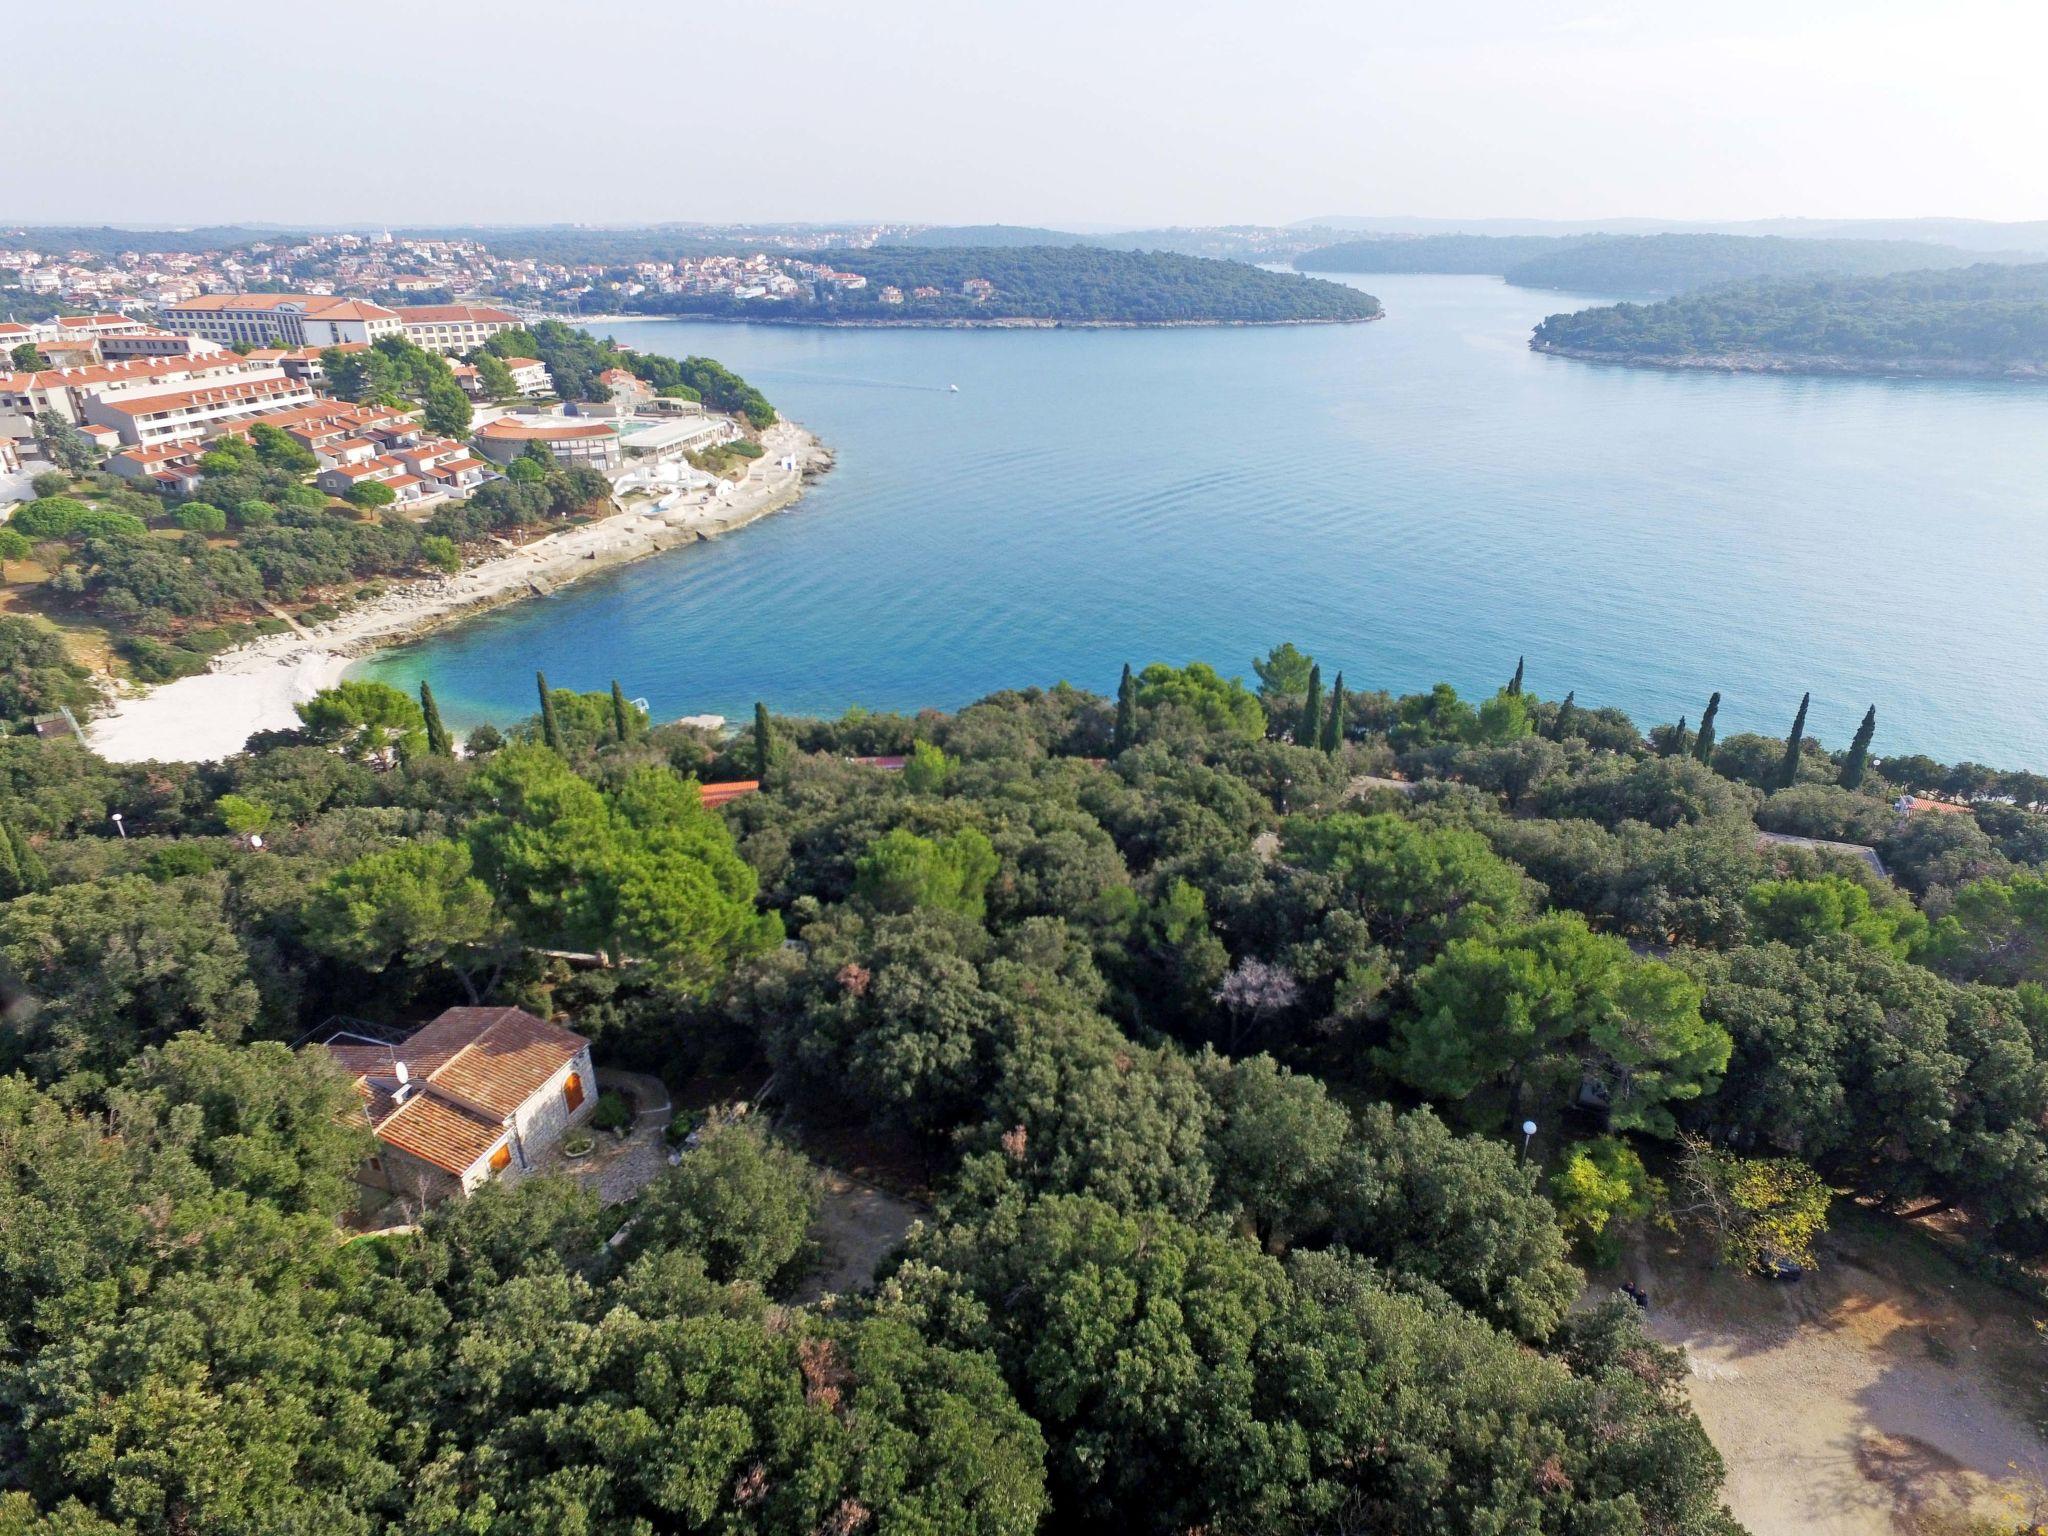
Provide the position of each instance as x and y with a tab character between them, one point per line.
467	1073
516	432
718	794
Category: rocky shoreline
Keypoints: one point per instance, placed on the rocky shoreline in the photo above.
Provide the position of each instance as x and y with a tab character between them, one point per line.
1768	362
256	687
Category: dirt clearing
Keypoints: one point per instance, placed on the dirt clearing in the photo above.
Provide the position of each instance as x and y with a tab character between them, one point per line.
1888	1394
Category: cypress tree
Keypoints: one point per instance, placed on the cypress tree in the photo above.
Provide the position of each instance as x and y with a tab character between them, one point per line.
621	719
1515	682
762	741
21	865
1562	727
1126	735
439	742
1333	724
1311	730
1789	774
550	732
1703	744
1859	750
1674	744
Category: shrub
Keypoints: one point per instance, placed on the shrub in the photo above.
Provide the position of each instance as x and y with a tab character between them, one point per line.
153	661
613	1113
440	552
51	482
49	517
200	517
254	514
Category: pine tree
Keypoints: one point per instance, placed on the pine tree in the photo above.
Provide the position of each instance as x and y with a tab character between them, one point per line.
1515	682
1126	735
1333	724
439	742
1859	750
550	732
1311	730
21	867
1674	744
1789	774
1561	728
1703	744
622	719
762	742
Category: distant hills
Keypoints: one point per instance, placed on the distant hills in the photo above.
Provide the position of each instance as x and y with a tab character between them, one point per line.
1971	234
1636	265
1984	321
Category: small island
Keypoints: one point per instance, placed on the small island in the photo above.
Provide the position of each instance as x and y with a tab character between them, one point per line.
1022	286
1985	321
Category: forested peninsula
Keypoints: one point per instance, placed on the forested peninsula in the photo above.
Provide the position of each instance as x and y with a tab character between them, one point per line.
1039	285
1635	265
1985	321
1201	1021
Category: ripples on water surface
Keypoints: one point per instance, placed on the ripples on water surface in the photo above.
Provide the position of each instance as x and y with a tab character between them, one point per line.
1415	499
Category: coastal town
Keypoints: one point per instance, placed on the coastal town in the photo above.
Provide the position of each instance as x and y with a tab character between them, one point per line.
459	469
779	264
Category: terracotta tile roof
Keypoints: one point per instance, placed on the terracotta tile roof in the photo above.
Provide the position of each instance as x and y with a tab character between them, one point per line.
520	362
494	1058
466	1074
315	306
718	794
518	432
450	1136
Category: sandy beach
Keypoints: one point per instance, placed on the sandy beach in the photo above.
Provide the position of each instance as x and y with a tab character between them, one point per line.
256	687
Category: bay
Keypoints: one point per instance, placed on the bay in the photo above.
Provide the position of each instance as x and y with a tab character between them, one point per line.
1417	499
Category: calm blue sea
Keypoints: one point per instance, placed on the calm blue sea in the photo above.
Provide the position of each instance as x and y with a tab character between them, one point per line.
1417	499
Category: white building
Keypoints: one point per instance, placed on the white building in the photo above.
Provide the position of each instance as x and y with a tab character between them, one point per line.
143	419
282	319
454	328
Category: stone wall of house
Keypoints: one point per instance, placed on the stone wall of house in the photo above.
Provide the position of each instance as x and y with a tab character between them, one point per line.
409	1178
546	1117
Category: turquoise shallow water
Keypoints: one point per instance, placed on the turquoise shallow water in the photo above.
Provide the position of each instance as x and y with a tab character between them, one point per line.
1414	499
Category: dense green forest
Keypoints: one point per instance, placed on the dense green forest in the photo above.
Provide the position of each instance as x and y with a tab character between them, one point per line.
575	359
1988	319
1486	255
1068	284
1200	1037
1631	264
1662	264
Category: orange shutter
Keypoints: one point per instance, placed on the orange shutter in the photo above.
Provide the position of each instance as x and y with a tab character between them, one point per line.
502	1158
573	1091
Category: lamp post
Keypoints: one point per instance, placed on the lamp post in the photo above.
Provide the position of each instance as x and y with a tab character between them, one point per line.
1528	1135
118	827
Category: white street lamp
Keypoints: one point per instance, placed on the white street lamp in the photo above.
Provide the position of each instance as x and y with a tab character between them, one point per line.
1528	1135
119	828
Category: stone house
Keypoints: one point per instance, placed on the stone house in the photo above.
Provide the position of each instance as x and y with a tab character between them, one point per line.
478	1094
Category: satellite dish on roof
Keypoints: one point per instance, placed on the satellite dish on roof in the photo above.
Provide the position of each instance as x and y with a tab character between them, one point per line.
256	841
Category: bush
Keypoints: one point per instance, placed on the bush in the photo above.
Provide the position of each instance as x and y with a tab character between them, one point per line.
255	514
51	482
200	517
440	552
613	1113
745	449
49	517
153	661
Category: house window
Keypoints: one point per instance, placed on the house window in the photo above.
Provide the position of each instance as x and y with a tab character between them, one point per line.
573	1092
502	1158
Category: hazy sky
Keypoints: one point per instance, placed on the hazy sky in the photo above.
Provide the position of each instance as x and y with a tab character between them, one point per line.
1054	112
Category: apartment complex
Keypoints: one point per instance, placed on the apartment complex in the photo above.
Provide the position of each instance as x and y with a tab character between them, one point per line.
454	328
142	420
65	391
282	319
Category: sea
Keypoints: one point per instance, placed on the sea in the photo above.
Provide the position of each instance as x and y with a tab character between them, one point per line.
1414	500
